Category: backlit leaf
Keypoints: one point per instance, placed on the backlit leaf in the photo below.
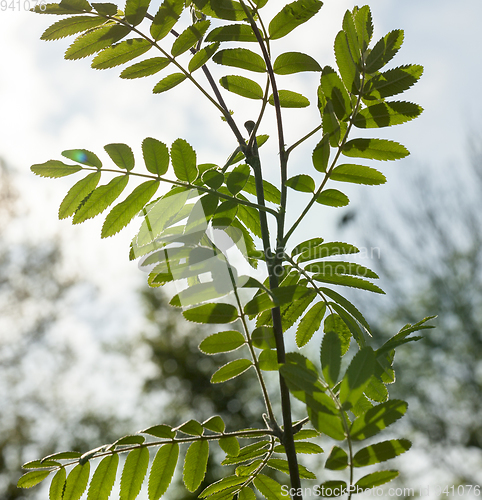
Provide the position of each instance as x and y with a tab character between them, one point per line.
104	478
241	58
230	445
376	479
83	156
268	487
56	489
346	65
301	182
379	452
268	360
242	86
375	149
237	178
54	168
121	53
94	41
222	342
351	281
183	158
214	424
125	211
263	337
335	91
386	114
169	82
162	470
333	323
310	323
106	8
392	82
357	376
156	156
321	154
221	9
201	57
32	478
161	431
135	11
291	16
232	33
332	198
358	174
326	250
191	427
337	460
71	26
121	155
145	68
339	267
166	17
133	473
384	50
100	199
294	62
77	482
282	466
189	37
216	313
331	357
77	193
231	370
221	485
195	464
247	453
289	99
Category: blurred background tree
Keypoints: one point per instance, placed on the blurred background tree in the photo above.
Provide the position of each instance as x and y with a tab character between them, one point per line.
430	263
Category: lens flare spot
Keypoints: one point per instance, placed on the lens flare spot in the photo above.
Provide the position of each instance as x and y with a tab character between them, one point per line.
79	156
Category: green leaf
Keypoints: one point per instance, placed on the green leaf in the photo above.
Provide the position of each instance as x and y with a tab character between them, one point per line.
335	91
346	65
340	267
333	323
38	464
121	53
380	452
100	199
225	214
201	57
71	26
56	490
294	62
183	158
384	51
77	193
32	478
215	313
237	178
190	36
247	453
291	312
96	40
77	482
222	484
271	193
104	478
156	156
133	473
321	154
62	455
213	178
377	418
241	58
357	376
301	182
192	427
283	295
76	5
222	342
333	198
392	82
125	211
222	9
54	168
121	155
268	360
289	99
358	174
232	33
162	470
327	250
230	445
231	370
331	357
268	487
300	375
215	424
375	149
169	82
302	447
195	464
128	440
136	10
331	489
310	323
376	479
376	390
306	246
351	35
250	218
83	156
145	68
351	281
166	17
161	431
263	337
364	26
106	8
338	459
242	86
291	16
282	466
386	114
